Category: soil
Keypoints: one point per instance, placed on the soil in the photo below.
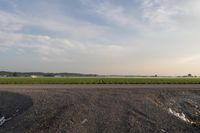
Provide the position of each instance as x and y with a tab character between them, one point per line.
100	108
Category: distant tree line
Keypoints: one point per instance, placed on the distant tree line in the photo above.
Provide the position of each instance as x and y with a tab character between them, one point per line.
29	74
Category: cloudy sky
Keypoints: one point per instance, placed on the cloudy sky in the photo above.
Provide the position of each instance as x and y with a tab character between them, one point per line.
101	36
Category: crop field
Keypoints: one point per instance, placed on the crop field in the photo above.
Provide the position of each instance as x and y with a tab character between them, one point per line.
99	80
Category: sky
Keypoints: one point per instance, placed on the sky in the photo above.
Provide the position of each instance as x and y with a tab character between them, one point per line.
139	37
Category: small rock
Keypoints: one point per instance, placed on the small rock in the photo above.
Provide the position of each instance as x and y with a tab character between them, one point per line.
163	131
2	120
84	121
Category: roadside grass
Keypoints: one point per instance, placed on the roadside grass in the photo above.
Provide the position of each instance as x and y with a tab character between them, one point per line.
99	80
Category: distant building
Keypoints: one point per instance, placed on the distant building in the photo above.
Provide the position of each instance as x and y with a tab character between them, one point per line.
34	76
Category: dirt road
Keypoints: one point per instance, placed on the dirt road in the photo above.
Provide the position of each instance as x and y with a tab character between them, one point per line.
100	108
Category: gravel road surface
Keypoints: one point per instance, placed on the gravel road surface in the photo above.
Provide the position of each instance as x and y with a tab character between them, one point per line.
99	108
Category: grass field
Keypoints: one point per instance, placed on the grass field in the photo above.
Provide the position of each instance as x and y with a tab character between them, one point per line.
99	80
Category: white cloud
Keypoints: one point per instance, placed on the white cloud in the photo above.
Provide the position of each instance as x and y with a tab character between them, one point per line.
82	46
116	15
160	14
63	25
60	49
155	16
9	22
172	15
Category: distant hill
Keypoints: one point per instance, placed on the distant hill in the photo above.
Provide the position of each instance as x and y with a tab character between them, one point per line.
42	74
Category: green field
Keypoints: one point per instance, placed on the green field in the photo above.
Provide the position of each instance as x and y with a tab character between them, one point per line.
99	80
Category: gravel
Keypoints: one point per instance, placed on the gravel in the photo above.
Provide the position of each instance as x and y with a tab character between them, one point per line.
99	108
